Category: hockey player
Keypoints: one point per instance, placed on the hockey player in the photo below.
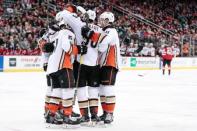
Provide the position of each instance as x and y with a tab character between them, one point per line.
108	44
45	56
109	62
60	70
88	71
167	56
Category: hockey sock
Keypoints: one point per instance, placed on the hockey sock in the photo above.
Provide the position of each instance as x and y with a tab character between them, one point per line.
110	98
94	110
48	97
82	100
163	71
67	106
53	108
103	104
60	105
169	70
47	100
84	111
110	104
67	110
55	100
67	100
93	99
102	97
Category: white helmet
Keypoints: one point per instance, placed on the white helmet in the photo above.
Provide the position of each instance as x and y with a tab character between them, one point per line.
107	15
91	14
62	23
81	9
58	16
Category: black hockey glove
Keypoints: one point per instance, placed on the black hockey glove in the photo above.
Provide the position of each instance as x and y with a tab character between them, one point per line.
48	47
86	32
42	32
45	65
82	49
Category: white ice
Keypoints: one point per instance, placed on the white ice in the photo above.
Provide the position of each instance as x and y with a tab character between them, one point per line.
146	101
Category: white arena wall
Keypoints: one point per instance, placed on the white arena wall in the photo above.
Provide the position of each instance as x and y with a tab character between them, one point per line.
34	63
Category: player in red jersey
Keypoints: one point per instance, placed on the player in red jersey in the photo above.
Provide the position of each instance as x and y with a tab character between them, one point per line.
167	56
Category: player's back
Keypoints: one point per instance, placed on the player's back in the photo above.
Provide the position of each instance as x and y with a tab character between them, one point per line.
60	58
110	48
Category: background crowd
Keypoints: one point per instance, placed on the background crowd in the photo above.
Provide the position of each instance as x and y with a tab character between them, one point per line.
143	25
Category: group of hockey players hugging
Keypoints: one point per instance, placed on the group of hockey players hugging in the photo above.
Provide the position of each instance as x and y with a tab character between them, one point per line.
81	61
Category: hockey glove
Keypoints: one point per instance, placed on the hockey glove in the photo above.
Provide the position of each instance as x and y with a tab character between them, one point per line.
82	49
42	32
48	47
45	65
86	32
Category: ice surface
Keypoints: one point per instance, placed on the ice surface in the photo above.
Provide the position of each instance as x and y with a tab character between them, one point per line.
146	101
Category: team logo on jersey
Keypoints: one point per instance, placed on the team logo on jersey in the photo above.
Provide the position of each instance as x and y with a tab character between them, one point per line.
12	62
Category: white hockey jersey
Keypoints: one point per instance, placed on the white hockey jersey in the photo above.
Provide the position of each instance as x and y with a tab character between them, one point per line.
90	58
110	49
43	40
63	42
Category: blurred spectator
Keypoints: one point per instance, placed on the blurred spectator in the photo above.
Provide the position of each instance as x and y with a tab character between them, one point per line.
19	29
176	50
185	49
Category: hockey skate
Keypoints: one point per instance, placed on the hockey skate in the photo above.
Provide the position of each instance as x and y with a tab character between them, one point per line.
102	117
74	114
94	120
53	120
85	120
109	118
70	122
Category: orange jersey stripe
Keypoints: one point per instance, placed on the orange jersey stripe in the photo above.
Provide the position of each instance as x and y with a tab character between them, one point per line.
95	37
75	50
61	59
111	59
67	61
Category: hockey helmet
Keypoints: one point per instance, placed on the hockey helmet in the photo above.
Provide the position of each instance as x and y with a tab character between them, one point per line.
91	14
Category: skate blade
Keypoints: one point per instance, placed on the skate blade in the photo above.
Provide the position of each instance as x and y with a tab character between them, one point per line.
53	126
101	124
68	126
87	124
92	123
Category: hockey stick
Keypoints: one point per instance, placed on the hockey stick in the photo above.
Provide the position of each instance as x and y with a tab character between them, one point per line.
78	76
79	68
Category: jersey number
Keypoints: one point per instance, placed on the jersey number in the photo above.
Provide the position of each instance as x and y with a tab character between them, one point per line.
92	44
55	42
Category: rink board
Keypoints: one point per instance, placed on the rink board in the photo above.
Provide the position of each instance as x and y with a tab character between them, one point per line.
22	63
155	63
34	63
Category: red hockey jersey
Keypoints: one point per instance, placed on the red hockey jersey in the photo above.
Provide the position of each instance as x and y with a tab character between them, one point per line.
167	53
